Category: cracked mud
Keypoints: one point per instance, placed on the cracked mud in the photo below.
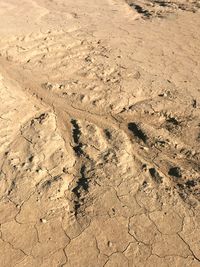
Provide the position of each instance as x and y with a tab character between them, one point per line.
99	133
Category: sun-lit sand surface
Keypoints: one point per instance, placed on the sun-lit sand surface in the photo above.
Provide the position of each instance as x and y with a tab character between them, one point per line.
99	133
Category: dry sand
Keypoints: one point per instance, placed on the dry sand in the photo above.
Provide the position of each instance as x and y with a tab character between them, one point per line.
99	133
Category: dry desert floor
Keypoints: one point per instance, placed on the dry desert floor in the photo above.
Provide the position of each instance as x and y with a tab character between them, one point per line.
99	133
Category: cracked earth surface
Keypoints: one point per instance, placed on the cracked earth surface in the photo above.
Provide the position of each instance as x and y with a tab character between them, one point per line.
99	133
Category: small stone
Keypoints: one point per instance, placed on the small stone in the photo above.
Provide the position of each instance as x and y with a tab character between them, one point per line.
43	220
109	244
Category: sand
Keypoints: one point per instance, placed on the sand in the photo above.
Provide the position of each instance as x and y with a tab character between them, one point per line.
99	133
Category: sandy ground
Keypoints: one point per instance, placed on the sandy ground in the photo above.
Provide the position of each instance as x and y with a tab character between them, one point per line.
99	133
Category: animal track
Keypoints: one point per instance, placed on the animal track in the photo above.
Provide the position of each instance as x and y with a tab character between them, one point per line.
175	172
160	136
78	148
155	175
100	144
160	8
137	132
82	185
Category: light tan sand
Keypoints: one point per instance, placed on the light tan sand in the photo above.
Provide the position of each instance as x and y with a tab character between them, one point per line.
99	133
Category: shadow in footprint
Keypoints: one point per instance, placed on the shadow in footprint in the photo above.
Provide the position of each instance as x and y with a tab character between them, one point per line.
137	132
